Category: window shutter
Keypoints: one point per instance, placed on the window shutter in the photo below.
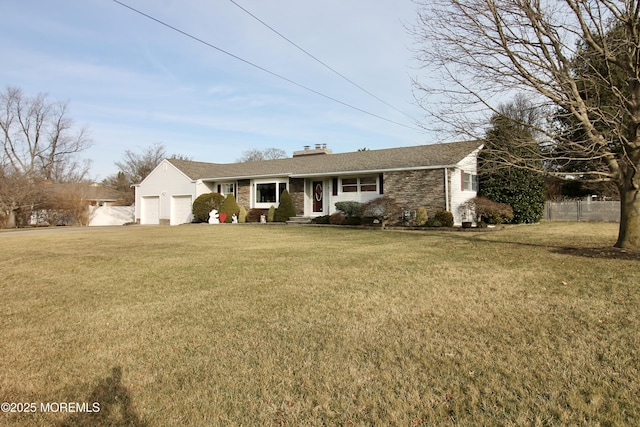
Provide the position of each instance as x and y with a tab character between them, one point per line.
381	181
462	180
334	185
219	189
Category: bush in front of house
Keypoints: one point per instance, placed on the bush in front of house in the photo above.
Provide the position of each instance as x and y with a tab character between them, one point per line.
489	212
229	207
271	213
421	217
349	209
203	205
353	220
337	218
441	219
384	209
285	209
254	214
321	220
242	215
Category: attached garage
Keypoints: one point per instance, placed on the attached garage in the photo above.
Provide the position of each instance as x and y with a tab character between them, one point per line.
150	210
180	210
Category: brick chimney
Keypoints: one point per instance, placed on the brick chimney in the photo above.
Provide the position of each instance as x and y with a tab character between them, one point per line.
308	151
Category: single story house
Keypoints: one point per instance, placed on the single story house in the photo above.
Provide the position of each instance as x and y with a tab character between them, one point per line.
437	176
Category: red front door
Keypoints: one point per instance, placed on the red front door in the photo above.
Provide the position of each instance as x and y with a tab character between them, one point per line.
317	196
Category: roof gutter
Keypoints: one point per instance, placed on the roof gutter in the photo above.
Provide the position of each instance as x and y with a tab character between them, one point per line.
230	178
368	171
321	174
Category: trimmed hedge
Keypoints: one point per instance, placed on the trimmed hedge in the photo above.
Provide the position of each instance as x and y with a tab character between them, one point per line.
203	205
350	208
242	216
229	207
285	209
421	217
443	218
254	214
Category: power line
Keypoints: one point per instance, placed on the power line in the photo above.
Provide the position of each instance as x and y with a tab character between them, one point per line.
184	33
320	61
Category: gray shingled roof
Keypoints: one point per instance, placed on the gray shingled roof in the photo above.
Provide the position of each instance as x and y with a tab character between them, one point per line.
421	156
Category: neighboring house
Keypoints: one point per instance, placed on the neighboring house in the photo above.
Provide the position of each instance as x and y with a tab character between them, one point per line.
81	203
437	176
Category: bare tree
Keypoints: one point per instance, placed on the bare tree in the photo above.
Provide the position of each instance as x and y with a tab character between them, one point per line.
39	143
255	155
485	50
136	166
39	139
18	194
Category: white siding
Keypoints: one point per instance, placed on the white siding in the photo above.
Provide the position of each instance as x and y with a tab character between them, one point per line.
330	200
164	182
457	194
348	197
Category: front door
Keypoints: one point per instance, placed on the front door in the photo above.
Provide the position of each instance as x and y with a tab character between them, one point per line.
317	196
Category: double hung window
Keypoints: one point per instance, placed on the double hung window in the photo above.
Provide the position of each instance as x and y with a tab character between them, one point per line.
470	182
360	185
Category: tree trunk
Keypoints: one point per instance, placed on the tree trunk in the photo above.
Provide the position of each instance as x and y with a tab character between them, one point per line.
629	234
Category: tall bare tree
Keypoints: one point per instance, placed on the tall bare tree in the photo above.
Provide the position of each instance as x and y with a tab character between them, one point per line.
485	50
136	166
255	155
38	142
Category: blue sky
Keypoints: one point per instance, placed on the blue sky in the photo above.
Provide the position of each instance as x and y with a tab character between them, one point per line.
134	82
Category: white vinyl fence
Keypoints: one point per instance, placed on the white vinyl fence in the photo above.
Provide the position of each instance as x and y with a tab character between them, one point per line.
582	210
111	215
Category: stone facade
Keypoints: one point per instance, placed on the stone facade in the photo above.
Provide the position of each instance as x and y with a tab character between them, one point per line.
296	191
417	188
244	193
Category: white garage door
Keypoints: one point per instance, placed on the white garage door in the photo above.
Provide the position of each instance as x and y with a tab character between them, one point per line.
180	210
150	212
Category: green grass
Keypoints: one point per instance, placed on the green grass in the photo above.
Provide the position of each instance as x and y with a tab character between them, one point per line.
256	325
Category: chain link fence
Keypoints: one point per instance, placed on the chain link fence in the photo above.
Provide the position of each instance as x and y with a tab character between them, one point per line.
582	210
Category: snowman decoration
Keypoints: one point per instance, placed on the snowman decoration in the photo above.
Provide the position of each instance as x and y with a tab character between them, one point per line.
214	218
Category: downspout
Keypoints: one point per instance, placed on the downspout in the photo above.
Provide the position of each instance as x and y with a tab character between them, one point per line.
446	188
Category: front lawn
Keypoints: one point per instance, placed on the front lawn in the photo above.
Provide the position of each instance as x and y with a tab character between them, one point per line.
255	325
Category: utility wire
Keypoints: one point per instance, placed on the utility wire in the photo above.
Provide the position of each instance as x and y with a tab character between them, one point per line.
320	61
259	67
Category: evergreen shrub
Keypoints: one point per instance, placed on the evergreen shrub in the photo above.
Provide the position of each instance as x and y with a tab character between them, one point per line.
242	216
286	209
348	208
203	205
230	207
421	217
271	213
445	218
321	220
353	220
